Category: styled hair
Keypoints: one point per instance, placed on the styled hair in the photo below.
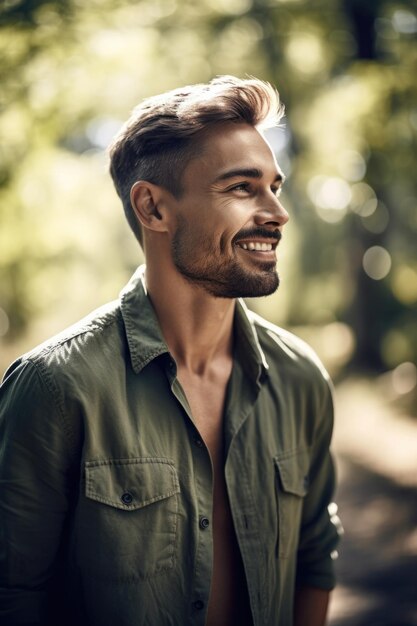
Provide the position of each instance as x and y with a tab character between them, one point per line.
161	136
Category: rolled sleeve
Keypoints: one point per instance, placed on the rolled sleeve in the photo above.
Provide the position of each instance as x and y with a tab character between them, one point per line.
320	528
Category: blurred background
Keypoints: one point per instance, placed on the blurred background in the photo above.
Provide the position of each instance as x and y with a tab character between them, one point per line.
71	72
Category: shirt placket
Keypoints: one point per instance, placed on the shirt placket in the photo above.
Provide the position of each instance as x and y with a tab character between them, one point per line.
203	492
244	512
203	563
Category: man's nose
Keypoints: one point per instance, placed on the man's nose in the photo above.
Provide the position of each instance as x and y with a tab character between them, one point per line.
272	212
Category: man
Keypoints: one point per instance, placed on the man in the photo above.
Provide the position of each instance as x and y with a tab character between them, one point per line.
166	460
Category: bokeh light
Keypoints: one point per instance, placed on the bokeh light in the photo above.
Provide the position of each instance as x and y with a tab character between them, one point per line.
305	53
404	284
404	378
377	262
331	197
351	165
363	199
404	22
377	221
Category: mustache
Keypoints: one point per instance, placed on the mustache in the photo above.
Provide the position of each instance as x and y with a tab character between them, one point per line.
258	232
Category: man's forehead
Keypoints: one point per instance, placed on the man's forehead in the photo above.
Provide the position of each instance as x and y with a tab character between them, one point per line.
232	146
238	132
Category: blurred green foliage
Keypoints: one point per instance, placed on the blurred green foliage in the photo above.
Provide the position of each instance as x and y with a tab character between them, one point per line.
346	69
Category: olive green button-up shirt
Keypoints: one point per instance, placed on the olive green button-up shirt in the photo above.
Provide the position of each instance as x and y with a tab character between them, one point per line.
104	477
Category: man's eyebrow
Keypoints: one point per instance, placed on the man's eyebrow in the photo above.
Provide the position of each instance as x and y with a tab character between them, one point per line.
250	172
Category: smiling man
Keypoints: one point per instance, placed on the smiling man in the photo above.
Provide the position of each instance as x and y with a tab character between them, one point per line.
166	460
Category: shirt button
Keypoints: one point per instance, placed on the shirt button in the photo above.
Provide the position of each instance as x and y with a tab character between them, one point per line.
198	605
204	523
198	442
126	498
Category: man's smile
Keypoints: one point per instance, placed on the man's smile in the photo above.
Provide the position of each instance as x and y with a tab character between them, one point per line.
257	246
259	243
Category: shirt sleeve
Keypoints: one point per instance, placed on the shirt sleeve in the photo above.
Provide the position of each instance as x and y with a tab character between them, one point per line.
35	479
320	527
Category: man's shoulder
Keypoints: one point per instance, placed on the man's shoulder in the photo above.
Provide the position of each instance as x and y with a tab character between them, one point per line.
77	343
286	350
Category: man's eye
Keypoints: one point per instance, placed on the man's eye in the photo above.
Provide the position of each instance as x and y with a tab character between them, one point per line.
240	187
276	191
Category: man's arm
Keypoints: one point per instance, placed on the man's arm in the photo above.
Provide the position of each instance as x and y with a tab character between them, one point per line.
310	606
34	493
320	526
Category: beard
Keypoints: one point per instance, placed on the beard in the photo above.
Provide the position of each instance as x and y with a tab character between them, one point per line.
207	266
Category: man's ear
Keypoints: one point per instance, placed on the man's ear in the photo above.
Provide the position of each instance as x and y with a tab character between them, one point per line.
147	203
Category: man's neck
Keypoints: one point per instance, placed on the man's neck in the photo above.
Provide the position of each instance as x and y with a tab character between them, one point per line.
197	327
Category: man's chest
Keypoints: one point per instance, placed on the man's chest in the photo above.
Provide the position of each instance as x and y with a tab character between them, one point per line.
206	398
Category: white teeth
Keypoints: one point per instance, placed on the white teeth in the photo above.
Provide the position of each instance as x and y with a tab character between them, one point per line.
256	245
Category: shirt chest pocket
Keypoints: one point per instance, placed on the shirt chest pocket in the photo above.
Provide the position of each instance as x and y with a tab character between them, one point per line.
291	469
127	524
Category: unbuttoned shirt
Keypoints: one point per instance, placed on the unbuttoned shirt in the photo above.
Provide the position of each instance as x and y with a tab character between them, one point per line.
106	486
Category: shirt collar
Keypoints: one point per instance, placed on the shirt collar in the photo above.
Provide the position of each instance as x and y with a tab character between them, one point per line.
146	341
248	347
143	332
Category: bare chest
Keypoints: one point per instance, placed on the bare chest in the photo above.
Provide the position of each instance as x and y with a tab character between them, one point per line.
206	400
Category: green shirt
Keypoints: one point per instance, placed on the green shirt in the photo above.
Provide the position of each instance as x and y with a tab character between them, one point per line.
104	477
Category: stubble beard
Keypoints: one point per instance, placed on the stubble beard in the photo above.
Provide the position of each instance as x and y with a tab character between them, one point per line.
221	278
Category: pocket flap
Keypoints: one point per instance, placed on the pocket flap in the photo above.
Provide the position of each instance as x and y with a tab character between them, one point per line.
130	484
292	469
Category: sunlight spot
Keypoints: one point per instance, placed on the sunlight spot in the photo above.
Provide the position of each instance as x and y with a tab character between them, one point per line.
329	192
404	22
369	207
404	284
332	508
331	196
377	262
305	53
378	220
363	200
351	165
404	378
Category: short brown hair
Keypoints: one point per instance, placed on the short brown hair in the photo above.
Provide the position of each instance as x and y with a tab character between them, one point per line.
159	139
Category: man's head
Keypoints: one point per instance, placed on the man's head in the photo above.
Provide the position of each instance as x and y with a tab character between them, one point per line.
165	132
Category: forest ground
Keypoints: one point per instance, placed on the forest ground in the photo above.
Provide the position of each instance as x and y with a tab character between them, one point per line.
375	446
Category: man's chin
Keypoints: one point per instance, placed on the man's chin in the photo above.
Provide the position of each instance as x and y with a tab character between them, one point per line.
235	283
260	293
264	285
249	288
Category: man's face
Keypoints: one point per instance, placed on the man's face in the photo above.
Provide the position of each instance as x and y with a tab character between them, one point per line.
229	219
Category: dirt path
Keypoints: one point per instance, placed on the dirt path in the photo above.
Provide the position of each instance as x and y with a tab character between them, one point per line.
376	453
